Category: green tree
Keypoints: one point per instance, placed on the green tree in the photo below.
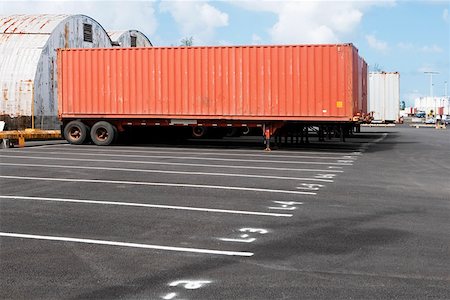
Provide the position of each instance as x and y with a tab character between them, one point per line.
376	68
187	42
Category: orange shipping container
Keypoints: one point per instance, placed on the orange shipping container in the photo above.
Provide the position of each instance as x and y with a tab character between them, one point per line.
254	83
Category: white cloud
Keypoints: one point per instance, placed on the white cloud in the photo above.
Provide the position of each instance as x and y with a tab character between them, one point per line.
313	21
405	46
112	15
225	43
431	49
196	18
376	44
445	15
256	39
425	49
426	68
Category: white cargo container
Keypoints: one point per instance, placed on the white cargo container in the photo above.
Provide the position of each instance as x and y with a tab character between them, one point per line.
28	72
384	96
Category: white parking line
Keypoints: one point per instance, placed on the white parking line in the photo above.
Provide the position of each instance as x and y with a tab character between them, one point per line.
168	172
218	187
219	150
170	163
223	153
99	202
122	244
195	158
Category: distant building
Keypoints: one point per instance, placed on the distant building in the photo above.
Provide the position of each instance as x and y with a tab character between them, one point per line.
129	38
431	105
28	71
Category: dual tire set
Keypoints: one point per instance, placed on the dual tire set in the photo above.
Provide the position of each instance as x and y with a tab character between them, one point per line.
101	133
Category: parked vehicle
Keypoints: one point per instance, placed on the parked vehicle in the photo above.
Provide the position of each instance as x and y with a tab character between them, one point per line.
420	114
105	91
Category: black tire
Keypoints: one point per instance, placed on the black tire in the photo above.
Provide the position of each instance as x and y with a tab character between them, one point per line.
75	132
233	132
103	133
199	132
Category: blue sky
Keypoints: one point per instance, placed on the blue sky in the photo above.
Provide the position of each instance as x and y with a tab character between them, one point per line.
405	36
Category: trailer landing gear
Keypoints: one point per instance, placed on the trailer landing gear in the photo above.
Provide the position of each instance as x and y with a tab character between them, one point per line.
267	139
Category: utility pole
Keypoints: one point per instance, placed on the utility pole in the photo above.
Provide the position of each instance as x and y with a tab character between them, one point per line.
446	98
431	73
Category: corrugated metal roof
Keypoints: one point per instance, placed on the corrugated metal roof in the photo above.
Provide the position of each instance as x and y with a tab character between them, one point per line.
28	46
116	34
123	35
43	24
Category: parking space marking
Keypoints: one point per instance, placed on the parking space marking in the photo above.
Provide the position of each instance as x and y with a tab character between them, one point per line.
171	164
201	186
267	154
123	244
197	158
169	296
218	150
245	238
286	205
100	202
169	172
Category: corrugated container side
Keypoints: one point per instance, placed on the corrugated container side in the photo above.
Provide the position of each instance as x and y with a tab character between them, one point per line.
385	96
320	82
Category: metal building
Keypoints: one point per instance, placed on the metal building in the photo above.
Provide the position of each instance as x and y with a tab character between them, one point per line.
28	73
129	38
430	106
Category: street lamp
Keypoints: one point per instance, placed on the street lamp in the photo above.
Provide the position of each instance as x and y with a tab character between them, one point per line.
447	99
431	73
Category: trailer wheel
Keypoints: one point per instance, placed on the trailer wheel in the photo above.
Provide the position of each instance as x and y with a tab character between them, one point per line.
75	132
245	130
199	131
103	133
233	132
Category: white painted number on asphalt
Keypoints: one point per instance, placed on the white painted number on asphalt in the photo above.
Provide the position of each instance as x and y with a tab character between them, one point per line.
286	205
325	176
344	161
310	186
245	238
187	284
170	296
190	284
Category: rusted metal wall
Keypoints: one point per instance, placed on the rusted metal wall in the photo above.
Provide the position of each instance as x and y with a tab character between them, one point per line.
313	82
28	71
122	38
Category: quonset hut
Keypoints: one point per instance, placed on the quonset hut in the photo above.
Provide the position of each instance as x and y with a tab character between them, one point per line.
28	72
129	38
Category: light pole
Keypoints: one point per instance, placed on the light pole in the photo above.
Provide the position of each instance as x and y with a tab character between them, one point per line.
431	73
447	99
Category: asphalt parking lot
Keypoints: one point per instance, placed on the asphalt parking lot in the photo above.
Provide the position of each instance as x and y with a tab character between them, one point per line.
365	219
